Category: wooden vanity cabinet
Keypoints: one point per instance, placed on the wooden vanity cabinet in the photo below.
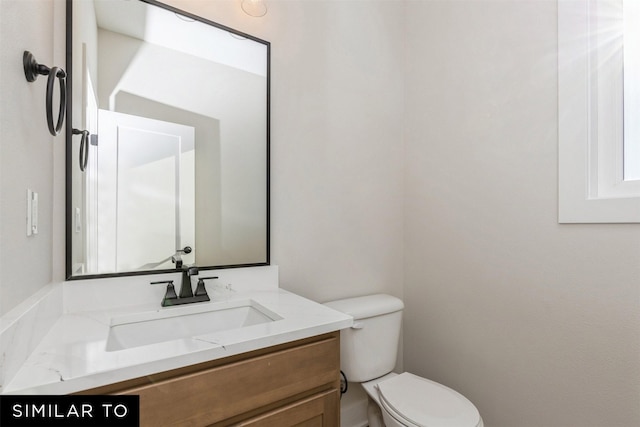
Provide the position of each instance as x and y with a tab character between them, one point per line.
292	384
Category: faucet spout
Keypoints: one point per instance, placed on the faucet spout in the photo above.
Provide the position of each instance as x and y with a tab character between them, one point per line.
186	291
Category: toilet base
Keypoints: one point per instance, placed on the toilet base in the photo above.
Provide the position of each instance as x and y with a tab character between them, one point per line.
374	414
374	411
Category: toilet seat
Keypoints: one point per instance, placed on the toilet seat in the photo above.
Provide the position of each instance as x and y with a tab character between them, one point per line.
419	402
397	418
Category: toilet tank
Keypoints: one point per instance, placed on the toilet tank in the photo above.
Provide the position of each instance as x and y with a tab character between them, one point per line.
369	348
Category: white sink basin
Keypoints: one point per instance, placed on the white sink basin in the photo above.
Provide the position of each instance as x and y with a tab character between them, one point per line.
146	328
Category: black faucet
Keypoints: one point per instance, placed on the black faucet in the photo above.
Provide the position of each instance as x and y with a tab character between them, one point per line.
186	295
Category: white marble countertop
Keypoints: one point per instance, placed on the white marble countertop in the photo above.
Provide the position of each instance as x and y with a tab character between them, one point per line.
73	356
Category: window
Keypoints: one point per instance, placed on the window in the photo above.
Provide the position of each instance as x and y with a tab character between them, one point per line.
631	13
599	111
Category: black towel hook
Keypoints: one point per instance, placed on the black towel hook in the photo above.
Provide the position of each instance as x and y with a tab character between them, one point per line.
31	71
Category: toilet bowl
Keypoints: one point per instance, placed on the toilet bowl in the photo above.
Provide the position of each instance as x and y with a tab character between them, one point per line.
368	353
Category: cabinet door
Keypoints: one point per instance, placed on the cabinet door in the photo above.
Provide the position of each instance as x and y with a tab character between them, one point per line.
228	391
320	410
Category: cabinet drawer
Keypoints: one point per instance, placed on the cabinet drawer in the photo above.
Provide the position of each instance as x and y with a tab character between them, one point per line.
320	410
226	391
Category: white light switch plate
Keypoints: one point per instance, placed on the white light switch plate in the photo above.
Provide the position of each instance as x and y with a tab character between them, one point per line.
76	220
32	212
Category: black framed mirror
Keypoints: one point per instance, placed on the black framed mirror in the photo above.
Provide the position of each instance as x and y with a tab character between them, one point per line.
167	150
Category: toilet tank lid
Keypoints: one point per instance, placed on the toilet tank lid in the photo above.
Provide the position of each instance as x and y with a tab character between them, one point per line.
367	306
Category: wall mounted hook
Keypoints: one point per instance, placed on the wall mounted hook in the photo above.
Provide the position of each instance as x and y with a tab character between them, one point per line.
31	71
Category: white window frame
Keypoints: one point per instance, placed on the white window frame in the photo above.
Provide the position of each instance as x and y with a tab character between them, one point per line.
591	184
632	89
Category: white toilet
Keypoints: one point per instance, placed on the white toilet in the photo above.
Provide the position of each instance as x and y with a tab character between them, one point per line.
368	355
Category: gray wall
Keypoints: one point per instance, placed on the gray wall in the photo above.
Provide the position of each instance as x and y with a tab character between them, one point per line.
536	322
30	158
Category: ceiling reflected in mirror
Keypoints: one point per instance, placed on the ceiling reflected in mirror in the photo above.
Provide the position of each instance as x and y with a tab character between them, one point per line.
255	8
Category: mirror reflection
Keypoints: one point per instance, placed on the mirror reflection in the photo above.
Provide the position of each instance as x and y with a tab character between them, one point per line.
177	168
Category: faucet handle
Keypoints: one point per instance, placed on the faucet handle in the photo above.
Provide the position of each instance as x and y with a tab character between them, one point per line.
170	294
200	289
168	282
